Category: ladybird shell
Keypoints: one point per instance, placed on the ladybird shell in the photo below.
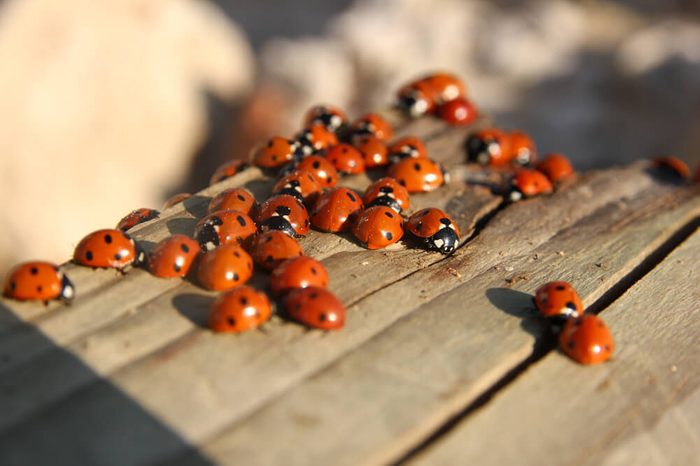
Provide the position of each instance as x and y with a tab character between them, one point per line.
224	227
227	170
321	168
109	248
346	159
556	167
458	112
335	210
674	165
135	217
284	213
489	147
301	184
378	227
298	272
275	153
239	310
225	267
529	183
272	248
407	147
418	175
239	199
38	280
522	148
176	199
316	308
328	115
373	150
587	340
558	298
374	124
387	192
173	256
436	228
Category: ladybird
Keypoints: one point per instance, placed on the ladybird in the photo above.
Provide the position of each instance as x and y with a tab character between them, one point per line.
378	227
223	227
407	147
276	152
239	310
416	99
176	199
135	217
522	148
373	150
489	147
239	199
109	248
335	210
528	183
272	248
329	116
225	267
556	167
316	138
298	272
373	124
227	170
346	159
672	164
387	192
284	213
587	340
558	299
40	281
445	87
458	112
321	168
418	175
173	256
301	184
435	228
316	308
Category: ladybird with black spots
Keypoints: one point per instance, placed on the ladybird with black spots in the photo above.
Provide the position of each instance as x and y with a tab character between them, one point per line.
522	148
173	256
407	147
240	310
556	167
378	227
458	112
321	168
374	151
298	272
239	199
301	184
136	217
373	124
176	199
329	116
272	248
316	308
418	175
558	300
490	146
387	192
316	138
284	213
435	229
38	281
346	159
225	267
227	170
528	183
224	227
278	151
587	340
335	210
108	248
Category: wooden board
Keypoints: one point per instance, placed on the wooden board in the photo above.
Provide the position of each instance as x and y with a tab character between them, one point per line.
643	407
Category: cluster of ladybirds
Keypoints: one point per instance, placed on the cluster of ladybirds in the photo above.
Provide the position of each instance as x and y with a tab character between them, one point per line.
238	232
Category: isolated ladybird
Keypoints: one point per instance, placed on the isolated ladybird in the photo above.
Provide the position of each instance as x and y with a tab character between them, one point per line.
175	199
316	138
435	228
301	184
528	183
316	308
276	152
418	175
373	150
239	310
556	167
558	299
335	210
239	199
329	116
284	213
346	159
173	256
378	227
321	168
587	340
458	112
387	192
407	147
225	267
489	147
298	272
227	170
272	248
224	227
135	217
374	124
38	280
674	165
522	148
109	248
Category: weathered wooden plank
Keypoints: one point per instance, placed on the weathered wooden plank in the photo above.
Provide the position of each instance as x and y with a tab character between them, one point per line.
642	407
375	404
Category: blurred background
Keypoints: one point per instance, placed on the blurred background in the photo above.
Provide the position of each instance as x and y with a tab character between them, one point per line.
112	105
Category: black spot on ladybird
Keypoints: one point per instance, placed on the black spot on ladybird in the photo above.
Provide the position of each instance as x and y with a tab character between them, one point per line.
240	197
416	166
389	236
88	255
177	267
118	256
314	271
322	317
235	277
39	288
344	150
445	221
268	239
607	347
571	344
34	271
13	286
108	238
283	210
231	321
351	196
316	164
270	144
241	220
313	295
274	157
185	248
330	180
571	305
237	254
269	259
402	182
250	265
244	301
389	214
560	287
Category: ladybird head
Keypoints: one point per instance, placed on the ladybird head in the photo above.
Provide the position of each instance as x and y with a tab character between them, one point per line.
67	289
445	240
278	223
386	201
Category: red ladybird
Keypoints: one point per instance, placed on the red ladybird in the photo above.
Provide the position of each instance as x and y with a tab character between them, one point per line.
321	168
346	159
173	256
108	249
418	175
239	199
387	192
407	147
239	310
522	148
435	228
301	184
277	152
416	99
224	227
38	280
335	210
558	299
458	112
445	87
272	248
373	124
373	150
556	167
674	165
587	340
378	227
329	116
225	267
298	272
316	308
316	138
528	183
175	199
284	213
135	217
227	170
489	147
